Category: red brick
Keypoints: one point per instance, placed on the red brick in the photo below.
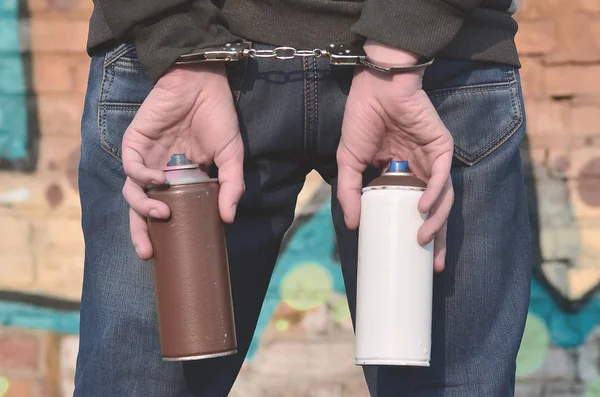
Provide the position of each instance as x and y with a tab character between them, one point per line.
554	8
547	117
71	9
592	6
592	99
57	152
19	351
16	256
530	9
536	37
53	74
65	5
572	80
20	388
586	120
559	162
541	141
58	35
575	39
60	115
82	71
526	10
532	76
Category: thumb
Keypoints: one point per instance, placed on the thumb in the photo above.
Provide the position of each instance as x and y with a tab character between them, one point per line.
349	185
230	162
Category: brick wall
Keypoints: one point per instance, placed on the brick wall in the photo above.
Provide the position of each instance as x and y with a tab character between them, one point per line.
308	352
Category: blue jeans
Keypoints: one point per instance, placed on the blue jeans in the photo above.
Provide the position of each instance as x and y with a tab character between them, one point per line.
290	114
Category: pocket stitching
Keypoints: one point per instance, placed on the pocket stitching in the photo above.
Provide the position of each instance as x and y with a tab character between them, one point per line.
102	109
491	87
107	147
128	64
105	86
113	56
512	85
508	132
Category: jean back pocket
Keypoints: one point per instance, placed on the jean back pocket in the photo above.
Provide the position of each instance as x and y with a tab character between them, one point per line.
482	108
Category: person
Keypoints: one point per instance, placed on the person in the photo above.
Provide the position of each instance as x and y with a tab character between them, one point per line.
265	123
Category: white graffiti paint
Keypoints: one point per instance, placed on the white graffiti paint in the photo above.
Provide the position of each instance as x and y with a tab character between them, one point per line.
15	196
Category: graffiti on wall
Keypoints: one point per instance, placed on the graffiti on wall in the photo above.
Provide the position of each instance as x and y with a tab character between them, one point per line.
18	123
560	347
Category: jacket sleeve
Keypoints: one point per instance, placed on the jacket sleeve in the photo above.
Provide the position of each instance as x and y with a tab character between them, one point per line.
423	27
162	30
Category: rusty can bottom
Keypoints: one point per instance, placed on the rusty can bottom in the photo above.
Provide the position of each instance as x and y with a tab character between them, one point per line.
201	356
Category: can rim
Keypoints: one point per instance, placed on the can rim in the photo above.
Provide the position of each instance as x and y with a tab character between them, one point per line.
398	173
177	183
392	187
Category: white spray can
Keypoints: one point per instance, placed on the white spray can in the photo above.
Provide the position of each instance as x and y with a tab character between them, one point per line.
395	273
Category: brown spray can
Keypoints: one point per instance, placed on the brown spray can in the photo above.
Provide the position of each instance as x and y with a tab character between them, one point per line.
191	271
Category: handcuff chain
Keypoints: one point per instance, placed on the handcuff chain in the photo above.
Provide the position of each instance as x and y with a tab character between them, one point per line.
284	53
337	54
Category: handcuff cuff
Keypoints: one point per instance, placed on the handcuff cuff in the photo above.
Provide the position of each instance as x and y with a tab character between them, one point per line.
337	54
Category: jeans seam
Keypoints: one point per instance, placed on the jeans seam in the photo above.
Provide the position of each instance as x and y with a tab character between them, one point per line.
311	104
104	144
316	95
307	104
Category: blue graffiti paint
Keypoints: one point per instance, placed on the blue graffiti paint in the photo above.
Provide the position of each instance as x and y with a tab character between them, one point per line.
25	315
13	101
313	242
566	329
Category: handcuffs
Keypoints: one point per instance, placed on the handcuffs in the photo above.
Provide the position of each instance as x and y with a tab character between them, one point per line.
337	54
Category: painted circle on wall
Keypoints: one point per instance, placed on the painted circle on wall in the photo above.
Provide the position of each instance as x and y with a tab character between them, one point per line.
3	386
593	388
339	308
534	346
306	287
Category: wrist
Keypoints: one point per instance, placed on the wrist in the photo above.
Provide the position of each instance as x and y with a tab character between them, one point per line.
387	55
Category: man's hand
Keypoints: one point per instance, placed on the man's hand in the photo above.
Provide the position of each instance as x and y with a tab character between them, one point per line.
191	111
391	118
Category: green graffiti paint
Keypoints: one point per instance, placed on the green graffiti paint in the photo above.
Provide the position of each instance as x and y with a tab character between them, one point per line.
4	386
306	287
339	308
534	347
593	388
282	325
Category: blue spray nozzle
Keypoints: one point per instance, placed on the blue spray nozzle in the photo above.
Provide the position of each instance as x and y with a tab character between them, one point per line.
178	159
398	166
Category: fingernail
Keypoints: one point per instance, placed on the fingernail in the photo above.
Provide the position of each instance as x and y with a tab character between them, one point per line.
154	213
137	250
234	209
154	182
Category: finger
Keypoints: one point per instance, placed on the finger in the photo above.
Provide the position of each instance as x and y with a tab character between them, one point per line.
135	168
439	249
349	186
139	235
440	172
231	178
438	215
142	204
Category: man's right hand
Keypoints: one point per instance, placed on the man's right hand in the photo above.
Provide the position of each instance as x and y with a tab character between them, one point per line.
390	117
191	111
